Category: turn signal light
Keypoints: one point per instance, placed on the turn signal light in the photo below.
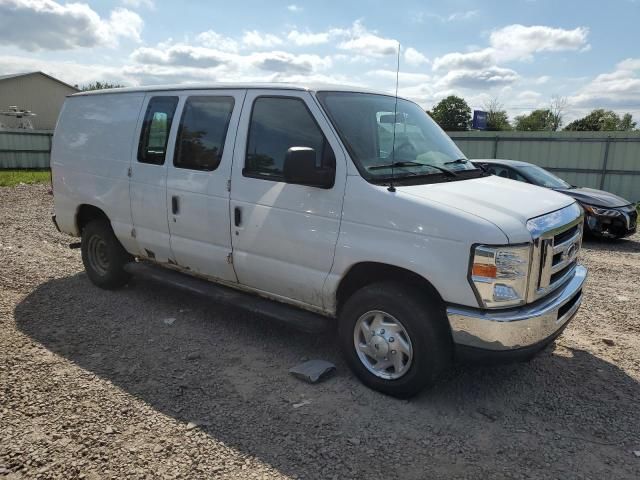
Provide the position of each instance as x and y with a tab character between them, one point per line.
484	270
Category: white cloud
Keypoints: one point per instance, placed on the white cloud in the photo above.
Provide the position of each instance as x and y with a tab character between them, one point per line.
198	57
368	43
518	42
303	39
542	80
139	3
284	62
212	39
182	55
515	42
414	57
471	61
620	88
294	8
48	25
256	39
478	79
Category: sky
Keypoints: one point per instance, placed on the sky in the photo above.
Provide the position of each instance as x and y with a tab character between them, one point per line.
519	52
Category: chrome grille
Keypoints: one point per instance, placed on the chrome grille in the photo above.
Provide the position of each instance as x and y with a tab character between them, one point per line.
557	238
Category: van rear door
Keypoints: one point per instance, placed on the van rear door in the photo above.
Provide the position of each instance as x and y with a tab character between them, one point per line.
148	185
199	170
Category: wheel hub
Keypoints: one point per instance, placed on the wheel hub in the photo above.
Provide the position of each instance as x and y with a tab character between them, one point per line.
383	345
380	346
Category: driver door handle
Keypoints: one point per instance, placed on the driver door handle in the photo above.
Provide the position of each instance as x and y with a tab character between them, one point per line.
175	205
237	216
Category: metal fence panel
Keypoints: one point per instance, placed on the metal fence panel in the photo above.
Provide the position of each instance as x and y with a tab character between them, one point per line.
607	160
25	148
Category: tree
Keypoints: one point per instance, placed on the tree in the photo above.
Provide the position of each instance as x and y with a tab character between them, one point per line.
626	123
601	120
452	114
99	86
497	118
541	119
557	108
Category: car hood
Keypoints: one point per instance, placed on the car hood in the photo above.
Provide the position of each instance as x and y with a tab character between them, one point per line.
508	204
597	198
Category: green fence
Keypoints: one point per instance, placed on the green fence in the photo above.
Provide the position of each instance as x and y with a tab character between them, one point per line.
605	160
25	148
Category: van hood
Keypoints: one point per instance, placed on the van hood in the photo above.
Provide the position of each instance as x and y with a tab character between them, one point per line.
508	204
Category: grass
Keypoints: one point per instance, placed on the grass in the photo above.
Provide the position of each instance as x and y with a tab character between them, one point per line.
11	178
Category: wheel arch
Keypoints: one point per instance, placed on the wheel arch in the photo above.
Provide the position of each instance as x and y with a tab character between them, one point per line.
362	274
85	213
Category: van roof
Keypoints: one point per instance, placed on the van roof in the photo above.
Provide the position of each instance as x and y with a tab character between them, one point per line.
242	86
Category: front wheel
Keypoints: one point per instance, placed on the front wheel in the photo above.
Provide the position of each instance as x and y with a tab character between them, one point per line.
395	338
103	256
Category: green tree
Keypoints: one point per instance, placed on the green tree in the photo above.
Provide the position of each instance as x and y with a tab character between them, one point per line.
99	86
541	119
452	114
601	120
626	123
497	118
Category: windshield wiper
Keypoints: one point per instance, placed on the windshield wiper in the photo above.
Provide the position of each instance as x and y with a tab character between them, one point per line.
413	164
397	164
458	161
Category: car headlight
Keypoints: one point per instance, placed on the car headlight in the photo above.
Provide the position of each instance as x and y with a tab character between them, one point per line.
499	275
606	212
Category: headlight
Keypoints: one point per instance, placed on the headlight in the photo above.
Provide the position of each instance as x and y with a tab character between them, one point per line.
606	212
499	275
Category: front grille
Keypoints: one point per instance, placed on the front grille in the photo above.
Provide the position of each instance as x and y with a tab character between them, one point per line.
566	235
561	273
557	241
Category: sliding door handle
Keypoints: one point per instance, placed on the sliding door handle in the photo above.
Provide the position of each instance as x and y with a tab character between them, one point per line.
237	216
175	205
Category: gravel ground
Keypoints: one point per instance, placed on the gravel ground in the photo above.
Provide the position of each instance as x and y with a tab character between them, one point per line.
146	382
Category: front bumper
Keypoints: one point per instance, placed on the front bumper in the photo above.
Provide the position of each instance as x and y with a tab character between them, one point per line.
622	225
523	327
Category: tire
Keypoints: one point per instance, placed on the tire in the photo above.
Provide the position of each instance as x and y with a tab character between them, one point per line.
425	332
103	256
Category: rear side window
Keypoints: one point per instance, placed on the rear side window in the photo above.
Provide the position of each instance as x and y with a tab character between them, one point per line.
155	130
277	124
203	129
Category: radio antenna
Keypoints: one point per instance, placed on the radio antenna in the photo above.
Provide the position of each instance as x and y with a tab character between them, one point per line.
392	188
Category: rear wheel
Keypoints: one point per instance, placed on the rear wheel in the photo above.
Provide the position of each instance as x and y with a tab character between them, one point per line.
103	256
394	338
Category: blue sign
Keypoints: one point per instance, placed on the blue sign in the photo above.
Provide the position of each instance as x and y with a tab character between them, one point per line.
479	120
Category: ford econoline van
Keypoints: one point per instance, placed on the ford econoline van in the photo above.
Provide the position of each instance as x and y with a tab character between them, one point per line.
326	201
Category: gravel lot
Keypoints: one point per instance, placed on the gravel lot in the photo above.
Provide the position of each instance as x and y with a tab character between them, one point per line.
147	382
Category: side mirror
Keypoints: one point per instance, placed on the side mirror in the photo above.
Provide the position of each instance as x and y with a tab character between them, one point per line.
300	168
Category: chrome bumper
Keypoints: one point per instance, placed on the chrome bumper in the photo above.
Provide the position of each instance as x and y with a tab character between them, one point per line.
521	327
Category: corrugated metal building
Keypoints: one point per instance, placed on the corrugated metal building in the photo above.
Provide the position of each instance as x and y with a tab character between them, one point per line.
35	91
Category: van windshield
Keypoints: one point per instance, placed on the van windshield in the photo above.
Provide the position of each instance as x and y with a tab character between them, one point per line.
365	123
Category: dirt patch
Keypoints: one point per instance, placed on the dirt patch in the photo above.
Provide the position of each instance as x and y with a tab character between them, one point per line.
146	382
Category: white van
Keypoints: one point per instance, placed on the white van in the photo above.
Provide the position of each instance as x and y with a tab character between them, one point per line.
331	200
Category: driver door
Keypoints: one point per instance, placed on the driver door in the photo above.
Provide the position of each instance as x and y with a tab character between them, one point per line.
284	235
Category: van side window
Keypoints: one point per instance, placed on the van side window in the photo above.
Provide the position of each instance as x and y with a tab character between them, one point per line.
277	124
155	129
203	129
